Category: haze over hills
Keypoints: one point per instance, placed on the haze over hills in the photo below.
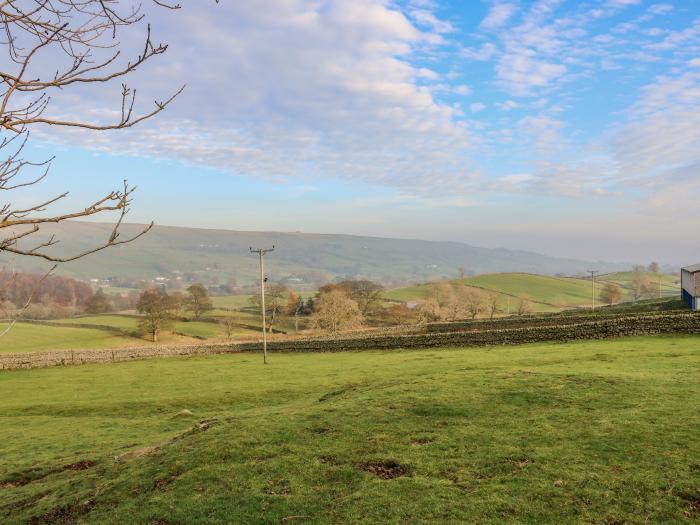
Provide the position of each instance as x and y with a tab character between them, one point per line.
306	258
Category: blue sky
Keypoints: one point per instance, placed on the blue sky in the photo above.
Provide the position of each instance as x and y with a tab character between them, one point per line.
569	128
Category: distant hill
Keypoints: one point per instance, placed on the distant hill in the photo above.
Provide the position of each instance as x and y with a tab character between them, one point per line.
305	258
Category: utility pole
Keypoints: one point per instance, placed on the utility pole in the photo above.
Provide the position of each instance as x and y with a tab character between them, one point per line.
261	254
593	272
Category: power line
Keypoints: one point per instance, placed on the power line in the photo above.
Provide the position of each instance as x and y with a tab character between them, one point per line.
261	254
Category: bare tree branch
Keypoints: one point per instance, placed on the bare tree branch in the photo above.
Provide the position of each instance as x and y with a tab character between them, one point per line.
79	39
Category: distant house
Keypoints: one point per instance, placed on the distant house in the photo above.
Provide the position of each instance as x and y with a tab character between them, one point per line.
690	286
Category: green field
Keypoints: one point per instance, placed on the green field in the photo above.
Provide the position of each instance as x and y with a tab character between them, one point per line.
591	432
37	338
548	293
25	337
668	284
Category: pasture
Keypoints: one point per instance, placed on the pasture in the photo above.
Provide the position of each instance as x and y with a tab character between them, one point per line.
592	432
548	293
25	337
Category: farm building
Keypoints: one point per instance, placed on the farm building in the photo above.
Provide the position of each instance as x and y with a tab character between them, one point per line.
690	286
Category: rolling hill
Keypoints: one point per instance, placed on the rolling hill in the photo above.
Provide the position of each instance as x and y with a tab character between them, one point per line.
547	292
307	258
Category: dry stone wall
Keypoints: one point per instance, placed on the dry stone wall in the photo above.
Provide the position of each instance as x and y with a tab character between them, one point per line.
452	335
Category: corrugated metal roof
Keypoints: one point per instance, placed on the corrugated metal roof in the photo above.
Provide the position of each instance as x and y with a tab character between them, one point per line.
693	268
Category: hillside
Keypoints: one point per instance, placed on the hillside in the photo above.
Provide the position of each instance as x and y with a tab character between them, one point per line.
313	258
548	293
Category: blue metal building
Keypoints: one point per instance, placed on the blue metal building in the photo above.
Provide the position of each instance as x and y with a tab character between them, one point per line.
690	286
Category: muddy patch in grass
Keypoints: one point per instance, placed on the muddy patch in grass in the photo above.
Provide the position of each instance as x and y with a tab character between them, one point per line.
335	393
329	460
319	430
693	501
81	465
63	515
385	469
19	479
278	487
422	440
162	483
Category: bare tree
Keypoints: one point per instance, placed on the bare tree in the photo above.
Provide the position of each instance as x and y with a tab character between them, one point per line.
157	310
56	46
611	293
493	303
229	324
640	284
335	311
197	300
524	304
428	311
474	301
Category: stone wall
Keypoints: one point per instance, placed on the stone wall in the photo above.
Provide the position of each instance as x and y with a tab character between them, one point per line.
452	335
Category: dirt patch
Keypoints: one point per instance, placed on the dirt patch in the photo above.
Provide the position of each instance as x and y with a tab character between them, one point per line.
422	440
133	454
278	487
329	460
20	482
202	426
388	469
161	483
63	515
320	430
334	393
693	500
81	465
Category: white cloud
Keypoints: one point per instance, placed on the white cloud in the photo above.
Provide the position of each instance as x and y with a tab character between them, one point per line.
424	17
507	105
485	52
301	89
622	3
662	133
519	72
660	9
498	15
477	107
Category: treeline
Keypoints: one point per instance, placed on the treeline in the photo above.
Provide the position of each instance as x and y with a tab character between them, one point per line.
37	296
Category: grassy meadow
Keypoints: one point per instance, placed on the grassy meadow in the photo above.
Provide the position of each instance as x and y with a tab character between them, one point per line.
548	293
588	432
25	337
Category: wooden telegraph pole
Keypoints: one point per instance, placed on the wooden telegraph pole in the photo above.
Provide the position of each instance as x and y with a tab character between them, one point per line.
593	272
261	254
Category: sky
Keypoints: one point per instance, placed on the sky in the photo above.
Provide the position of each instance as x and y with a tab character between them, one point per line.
569	128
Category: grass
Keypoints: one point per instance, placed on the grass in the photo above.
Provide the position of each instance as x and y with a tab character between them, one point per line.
37	338
668	284
116	321
549	293
591	432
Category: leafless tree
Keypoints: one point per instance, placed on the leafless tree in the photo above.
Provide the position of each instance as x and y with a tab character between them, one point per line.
229	324
473	300
611	293
493	303
524	304
335	311
57	46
